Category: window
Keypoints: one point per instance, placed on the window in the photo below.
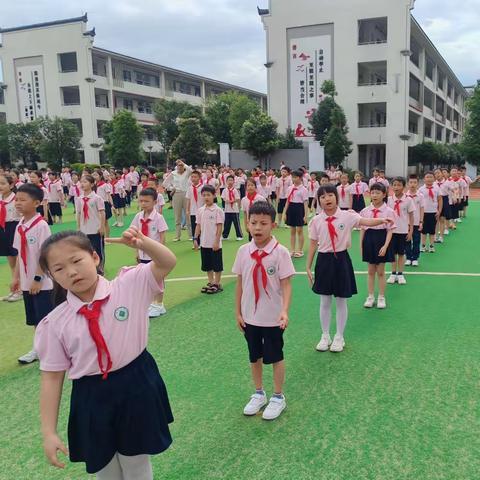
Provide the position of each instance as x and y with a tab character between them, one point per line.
440	110
68	62
449	90
372	73
415	88
449	136
127	75
128	104
428	129
429	67
440	80
99	67
439	135
148	133
428	98
372	115
144	107
3	117
78	123
2	97
70	95
416	50
100	126
449	113
372	30
413	123
101	100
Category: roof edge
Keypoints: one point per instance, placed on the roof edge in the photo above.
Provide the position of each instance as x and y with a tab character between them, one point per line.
83	18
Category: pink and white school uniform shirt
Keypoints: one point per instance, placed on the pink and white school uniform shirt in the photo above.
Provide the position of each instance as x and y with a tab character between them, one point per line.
104	191
55	192
248	201
312	187
119	188
7	205
443	186
419	204
358	188
264	191
333	241
468	181
240	180
160	203
383	211
431	196
261	305
231	196
344	196
63	341
88	208
402	208
151	226
75	190
208	218
283	184
35	232
194	194
297	194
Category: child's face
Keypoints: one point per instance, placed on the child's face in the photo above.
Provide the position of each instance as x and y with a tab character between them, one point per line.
381	174
5	187
144	178
34	178
376	173
85	184
284	173
195	179
429	178
146	202
398	187
251	188
344	179
377	196
208	198
313	177
413	184
328	201
260	227
229	182
75	178
152	184
358	177
263	182
25	204
297	180
324	181
72	268
453	171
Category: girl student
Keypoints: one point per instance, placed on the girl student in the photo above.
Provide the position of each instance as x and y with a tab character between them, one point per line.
119	408
119	195
330	234
9	218
375	244
358	189
104	191
295	213
36	179
74	190
251	197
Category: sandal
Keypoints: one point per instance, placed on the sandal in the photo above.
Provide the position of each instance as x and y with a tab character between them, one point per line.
205	289
213	289
298	254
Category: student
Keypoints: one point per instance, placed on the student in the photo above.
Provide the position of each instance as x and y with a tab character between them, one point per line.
330	235
118	196
194	199
444	186
272	184
468	181
152	225
312	187
295	213
119	408
56	199
383	180
66	177
154	185
74	191
283	184
262	299
31	232
404	209
433	207
263	189
344	196
42	209
104	191
240	181
246	203
375	178
231	199
358	189
324	181
90	216
9	218
455	198
413	246
210	220
375	244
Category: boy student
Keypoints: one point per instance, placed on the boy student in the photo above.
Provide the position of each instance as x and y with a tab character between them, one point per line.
312	186
344	196
210	220
56	199
433	207
231	197
404	219
263	295
152	225
283	184
194	198
30	233
413	247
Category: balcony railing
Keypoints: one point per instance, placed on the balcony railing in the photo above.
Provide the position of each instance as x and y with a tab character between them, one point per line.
372	42
373	125
371	84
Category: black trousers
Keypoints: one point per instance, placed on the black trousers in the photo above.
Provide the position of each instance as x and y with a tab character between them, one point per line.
229	219
193	223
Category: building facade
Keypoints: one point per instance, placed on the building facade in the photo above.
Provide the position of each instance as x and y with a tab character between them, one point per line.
54	69
395	87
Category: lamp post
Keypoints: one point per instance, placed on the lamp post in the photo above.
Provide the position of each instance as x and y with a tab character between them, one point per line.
150	147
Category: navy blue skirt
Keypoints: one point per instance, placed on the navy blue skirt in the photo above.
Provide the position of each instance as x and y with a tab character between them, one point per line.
358	203
118	201
295	215
128	413
7	235
373	241
445	208
108	210
334	275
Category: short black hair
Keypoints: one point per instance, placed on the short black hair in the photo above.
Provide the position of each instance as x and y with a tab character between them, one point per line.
263	208
399	180
286	168
380	187
324	175
429	173
209	189
297	173
413	176
327	189
231	177
34	192
148	192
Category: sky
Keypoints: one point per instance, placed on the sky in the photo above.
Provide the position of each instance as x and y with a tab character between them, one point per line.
224	39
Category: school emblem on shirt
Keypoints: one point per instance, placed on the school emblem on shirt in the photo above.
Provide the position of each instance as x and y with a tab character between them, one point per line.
341	226
31	240
271	270
121	314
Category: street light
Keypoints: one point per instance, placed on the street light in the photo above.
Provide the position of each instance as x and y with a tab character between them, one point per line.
150	147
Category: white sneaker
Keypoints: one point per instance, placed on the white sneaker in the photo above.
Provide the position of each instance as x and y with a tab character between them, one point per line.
446	231
459	220
431	249
324	343
369	302
256	403
392	279
239	239
274	408
14	297
115	224
153	311
408	263
440	239
162	310
423	248
337	344
381	302
401	280
120	225
176	240
415	263
29	357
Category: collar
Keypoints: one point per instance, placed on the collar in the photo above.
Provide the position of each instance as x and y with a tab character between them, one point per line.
409	193
102	291
90	195
27	224
213	207
9	198
395	198
152	215
381	207
269	247
324	216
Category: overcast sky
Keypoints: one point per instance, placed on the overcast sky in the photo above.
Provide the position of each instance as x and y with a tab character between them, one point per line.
224	39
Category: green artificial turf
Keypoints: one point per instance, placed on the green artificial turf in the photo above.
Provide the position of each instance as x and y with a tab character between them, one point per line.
399	403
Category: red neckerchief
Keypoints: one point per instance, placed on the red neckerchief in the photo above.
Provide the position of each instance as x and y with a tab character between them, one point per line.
343	191
195	191
77	190
430	193
258	257
92	314
86	216
231	195
145	228
100	183
22	231
312	185
292	193
397	207
251	198
376	211
357	185
3	210
332	232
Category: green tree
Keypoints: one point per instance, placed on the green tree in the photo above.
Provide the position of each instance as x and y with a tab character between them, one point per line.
259	135
60	143
320	121
329	88
192	142
123	140
241	110
217	116
4	145
470	145
24	140
288	140
337	145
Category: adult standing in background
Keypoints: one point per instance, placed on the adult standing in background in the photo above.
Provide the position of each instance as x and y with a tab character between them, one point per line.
179	181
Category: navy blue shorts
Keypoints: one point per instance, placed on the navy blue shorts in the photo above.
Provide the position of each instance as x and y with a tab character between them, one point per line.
128	413
399	243
211	261
37	307
264	343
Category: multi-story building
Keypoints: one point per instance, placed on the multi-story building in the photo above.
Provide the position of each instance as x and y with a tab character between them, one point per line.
395	87
54	69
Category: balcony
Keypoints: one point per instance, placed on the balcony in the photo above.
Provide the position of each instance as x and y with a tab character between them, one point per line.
184	97
372	73
372	31
416	90
371	115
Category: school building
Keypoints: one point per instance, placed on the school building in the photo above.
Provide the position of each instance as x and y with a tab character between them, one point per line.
54	69
395	87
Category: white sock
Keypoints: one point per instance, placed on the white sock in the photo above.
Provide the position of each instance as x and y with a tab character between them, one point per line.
342	315
137	467
325	313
